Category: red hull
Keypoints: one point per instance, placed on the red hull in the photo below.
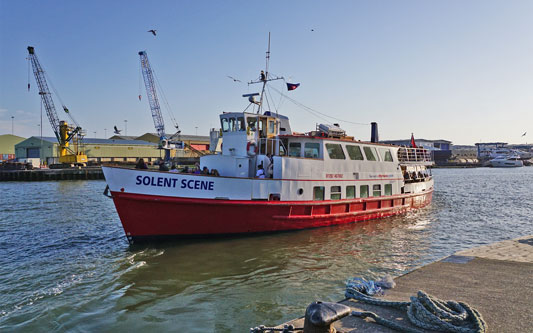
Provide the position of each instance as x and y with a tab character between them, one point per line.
145	216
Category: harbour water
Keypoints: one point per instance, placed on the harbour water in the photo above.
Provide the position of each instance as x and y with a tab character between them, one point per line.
66	265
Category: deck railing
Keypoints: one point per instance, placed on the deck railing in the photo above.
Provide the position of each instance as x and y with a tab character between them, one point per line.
411	155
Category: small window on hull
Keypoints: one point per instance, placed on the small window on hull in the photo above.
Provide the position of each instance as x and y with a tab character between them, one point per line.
376	190
318	193
363	191
335	193
350	192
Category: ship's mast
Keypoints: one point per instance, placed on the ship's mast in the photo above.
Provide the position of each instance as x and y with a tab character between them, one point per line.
264	78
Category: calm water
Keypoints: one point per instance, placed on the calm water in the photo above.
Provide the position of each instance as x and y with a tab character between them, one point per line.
66	265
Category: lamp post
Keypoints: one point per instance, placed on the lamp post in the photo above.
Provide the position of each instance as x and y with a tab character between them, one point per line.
12	125
94	134
105	133
126	126
196	130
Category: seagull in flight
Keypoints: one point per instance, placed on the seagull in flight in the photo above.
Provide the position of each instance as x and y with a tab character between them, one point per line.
153	31
234	79
117	131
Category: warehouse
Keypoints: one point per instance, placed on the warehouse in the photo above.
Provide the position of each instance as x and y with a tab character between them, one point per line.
97	150
7	146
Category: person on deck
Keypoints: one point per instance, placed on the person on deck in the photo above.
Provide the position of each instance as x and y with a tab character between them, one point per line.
141	164
260	172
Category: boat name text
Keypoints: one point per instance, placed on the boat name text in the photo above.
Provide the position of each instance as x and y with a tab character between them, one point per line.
173	182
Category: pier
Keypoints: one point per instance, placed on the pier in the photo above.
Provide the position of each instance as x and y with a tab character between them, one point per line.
495	279
52	174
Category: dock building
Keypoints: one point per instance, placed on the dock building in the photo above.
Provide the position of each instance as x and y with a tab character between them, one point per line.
117	149
7	146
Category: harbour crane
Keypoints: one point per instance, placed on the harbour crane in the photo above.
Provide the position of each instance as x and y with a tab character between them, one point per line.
165	143
64	132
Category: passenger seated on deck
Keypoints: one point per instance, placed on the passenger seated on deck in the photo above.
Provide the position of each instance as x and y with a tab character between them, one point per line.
205	171
173	168
260	172
214	172
185	170
141	164
163	166
197	170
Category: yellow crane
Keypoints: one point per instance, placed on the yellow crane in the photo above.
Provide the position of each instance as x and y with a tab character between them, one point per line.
64	132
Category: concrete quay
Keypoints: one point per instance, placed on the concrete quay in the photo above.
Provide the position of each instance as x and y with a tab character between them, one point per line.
52	174
495	279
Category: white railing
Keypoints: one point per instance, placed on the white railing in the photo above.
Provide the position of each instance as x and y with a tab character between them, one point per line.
414	155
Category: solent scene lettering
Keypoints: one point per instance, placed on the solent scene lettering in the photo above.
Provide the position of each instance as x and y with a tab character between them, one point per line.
173	182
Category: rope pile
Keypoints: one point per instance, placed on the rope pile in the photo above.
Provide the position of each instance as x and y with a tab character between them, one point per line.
426	312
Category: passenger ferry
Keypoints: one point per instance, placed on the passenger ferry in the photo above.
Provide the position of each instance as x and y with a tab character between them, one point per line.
267	178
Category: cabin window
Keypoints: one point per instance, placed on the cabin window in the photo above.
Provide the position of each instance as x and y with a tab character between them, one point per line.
225	124
335	192
232	124
354	152
271	127
318	193
335	151
295	149
376	190
252	124
350	192
385	154
363	191
388	189
241	125
370	153
311	149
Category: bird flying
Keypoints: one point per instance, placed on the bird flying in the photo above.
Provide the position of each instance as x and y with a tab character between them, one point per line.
234	79
153	31
117	131
524	134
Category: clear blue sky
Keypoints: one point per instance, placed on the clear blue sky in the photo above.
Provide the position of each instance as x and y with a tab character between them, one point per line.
455	70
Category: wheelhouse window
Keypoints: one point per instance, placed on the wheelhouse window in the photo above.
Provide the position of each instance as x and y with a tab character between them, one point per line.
271	127
370	153
376	190
385	154
241	125
335	192
363	191
252	124
232	124
388	189
318	193
354	152
312	150
350	192
295	149
225	124
335	151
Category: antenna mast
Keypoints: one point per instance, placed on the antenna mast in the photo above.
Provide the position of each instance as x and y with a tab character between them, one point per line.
264	77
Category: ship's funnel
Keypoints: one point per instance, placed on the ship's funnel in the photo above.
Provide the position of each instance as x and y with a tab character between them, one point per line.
374	137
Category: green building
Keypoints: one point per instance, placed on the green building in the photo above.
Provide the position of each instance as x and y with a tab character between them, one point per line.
7	146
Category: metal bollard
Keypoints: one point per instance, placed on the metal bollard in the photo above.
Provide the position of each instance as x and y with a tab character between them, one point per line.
319	316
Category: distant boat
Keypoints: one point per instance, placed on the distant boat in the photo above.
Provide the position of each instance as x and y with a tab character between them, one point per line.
506	161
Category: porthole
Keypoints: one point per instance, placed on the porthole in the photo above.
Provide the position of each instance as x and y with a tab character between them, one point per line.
300	191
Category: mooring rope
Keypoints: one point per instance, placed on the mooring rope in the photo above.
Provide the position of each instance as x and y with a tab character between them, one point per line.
427	312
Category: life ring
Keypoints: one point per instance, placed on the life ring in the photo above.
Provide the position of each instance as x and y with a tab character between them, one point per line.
251	148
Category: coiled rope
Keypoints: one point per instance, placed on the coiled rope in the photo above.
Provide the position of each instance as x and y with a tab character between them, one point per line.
426	312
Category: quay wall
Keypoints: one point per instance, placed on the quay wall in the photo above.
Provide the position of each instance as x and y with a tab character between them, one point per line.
51	174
